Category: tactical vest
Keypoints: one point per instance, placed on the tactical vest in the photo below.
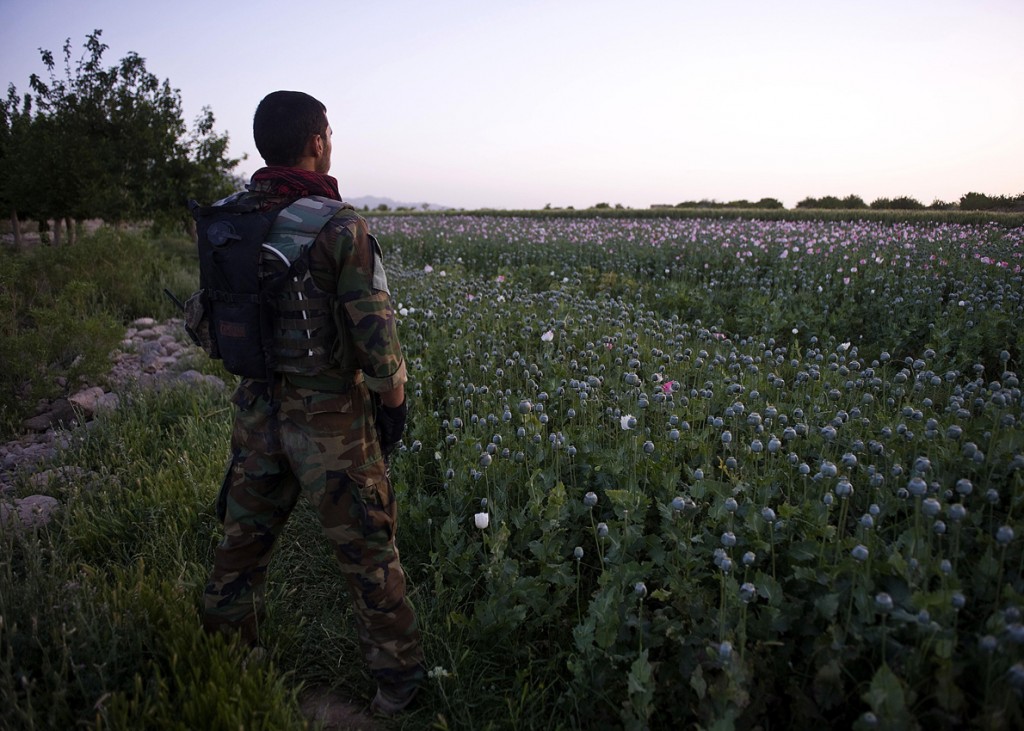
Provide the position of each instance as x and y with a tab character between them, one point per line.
304	330
259	308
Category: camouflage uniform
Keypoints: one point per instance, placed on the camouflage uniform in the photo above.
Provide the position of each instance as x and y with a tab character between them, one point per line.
315	435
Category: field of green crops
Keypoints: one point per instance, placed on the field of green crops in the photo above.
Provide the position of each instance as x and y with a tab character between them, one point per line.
659	473
715	472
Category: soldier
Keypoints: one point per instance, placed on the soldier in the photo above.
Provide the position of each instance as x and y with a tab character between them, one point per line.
334	406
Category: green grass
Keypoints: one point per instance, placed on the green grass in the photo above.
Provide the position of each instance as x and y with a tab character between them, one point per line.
62	311
99	611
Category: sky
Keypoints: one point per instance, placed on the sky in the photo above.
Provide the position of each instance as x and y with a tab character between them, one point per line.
520	104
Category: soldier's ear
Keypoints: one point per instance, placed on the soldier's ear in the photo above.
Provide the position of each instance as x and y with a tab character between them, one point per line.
315	147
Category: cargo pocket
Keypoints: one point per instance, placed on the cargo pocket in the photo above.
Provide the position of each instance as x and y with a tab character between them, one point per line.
376	500
330	414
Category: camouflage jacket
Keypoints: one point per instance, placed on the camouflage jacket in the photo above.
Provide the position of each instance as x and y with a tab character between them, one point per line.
346	260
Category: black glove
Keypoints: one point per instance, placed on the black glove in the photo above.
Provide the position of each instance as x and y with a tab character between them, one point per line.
391	425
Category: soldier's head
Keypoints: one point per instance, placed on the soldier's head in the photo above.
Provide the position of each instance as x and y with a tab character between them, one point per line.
290	128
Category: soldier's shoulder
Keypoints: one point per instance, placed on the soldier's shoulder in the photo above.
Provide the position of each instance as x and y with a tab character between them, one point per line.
345	216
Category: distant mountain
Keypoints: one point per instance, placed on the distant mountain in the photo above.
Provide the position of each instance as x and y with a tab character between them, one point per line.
372	202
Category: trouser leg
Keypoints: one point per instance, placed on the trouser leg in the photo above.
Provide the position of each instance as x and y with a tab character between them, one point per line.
359	516
347	483
261	493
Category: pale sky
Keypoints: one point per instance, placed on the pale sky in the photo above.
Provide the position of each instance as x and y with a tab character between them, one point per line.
499	104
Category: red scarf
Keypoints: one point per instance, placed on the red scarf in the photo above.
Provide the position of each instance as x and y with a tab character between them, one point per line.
294	183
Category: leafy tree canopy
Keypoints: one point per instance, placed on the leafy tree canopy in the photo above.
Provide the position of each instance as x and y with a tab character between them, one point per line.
96	141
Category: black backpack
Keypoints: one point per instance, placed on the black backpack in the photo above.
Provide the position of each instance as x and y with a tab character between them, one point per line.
231	316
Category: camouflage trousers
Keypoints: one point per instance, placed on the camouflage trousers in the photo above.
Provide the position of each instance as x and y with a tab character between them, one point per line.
286	441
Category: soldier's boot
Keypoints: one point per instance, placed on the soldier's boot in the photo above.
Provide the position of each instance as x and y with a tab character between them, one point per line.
395	692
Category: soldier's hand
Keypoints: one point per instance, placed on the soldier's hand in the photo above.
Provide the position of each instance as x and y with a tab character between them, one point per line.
391	425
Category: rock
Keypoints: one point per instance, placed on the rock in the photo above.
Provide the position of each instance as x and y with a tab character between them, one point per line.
61	412
61	475
87	400
197	378
35	511
108	402
150	357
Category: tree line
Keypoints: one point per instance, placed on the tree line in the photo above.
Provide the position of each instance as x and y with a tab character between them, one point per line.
89	141
967	202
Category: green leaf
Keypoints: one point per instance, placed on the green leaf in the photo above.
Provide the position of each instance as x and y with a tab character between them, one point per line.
827	605
640	675
804	550
604	610
768	588
828	685
886	696
988	565
621	500
898	563
697	682
555	502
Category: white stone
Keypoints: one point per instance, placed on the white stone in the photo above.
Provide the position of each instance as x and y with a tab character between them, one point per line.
87	399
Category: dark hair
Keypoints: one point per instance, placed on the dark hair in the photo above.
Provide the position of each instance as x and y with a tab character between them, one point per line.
284	122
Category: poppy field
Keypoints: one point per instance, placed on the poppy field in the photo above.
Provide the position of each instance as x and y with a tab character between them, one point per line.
659	473
720	474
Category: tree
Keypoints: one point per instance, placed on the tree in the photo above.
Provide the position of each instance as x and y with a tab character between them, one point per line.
983	202
108	143
903	203
906	203
831	202
199	171
15	156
